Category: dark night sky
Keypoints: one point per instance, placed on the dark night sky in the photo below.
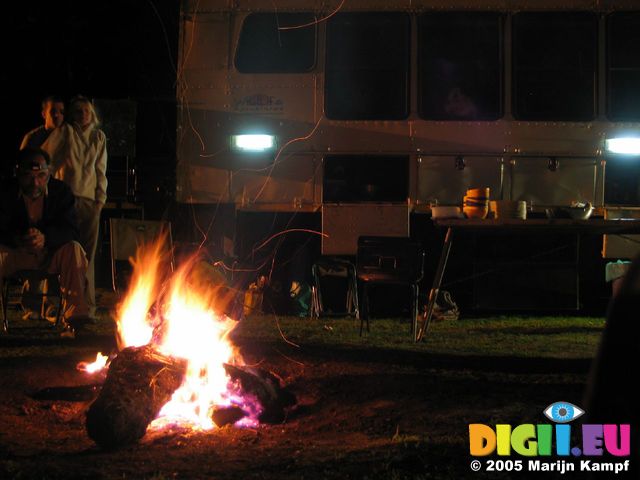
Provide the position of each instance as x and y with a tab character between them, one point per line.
115	49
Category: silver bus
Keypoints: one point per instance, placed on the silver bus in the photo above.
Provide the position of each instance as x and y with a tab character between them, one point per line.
364	113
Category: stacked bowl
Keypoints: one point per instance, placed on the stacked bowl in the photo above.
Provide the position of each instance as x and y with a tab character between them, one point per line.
476	203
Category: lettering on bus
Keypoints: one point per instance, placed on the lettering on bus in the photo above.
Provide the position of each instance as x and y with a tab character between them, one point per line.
259	102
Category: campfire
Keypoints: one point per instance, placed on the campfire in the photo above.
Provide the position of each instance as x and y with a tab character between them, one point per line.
175	363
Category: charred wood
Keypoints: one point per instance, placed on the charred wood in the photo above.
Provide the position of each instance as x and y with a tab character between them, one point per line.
140	381
266	388
227	415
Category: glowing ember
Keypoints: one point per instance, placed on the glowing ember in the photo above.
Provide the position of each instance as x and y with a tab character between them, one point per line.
96	366
183	323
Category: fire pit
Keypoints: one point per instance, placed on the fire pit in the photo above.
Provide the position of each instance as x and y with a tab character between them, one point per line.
176	364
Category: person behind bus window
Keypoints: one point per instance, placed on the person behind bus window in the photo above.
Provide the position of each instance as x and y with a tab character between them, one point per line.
459	105
53	116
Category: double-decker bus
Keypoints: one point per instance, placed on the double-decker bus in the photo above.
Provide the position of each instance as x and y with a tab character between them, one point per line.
353	117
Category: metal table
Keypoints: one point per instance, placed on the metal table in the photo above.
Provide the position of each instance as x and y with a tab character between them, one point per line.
596	226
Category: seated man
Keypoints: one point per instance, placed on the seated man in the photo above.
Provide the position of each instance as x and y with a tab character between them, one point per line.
38	230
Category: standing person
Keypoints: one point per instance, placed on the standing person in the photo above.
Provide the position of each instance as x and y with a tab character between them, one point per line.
612	396
79	158
38	230
53	115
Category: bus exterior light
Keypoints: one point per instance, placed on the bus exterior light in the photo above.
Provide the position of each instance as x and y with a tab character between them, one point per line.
623	145
253	143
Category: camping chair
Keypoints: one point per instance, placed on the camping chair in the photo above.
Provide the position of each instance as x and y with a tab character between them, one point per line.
334	267
125	237
13	291
391	261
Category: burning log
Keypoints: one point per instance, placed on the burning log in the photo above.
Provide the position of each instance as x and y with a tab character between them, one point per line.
140	381
227	415
274	400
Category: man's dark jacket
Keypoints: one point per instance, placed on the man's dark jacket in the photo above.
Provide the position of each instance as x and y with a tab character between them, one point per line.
58	223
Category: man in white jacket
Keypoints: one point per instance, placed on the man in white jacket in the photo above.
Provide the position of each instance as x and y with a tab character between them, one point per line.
79	158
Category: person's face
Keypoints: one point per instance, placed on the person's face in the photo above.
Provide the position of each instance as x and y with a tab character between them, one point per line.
53	115
81	114
34	182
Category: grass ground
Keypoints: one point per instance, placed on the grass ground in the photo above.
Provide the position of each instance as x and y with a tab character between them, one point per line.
546	336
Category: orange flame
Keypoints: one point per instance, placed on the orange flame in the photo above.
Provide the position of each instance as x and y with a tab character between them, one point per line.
97	365
183	321
134	327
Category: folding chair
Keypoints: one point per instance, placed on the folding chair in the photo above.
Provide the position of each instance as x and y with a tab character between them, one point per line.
334	267
125	237
389	260
13	289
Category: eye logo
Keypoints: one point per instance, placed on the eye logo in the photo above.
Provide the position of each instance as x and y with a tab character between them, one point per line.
562	412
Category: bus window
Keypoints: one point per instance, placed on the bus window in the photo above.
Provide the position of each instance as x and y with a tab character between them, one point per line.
554	65
367	66
264	47
365	178
622	181
460	66
623	66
